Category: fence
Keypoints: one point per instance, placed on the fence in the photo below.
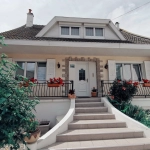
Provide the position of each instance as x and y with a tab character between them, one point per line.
142	91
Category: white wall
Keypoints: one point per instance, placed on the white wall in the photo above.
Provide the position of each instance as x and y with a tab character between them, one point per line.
143	102
50	109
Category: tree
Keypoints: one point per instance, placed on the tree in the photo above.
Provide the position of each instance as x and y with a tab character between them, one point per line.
16	107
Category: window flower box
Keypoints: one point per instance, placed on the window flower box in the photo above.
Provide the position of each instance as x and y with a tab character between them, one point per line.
54	84
146	84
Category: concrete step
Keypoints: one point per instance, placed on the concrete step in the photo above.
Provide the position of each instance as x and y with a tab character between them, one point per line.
89	104
98	134
90	109
93	124
82	100
116	144
93	116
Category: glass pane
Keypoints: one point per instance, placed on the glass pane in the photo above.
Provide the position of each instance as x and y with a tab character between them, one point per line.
64	30
127	72
20	71
89	32
41	71
30	70
81	74
98	31
119	71
74	30
136	72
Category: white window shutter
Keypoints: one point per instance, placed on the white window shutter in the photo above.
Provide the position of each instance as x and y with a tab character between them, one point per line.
50	69
112	69
147	69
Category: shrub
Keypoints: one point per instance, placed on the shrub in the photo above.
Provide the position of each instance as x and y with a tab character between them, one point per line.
123	91
15	106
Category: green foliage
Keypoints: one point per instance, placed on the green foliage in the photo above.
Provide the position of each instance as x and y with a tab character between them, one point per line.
15	106
123	91
133	111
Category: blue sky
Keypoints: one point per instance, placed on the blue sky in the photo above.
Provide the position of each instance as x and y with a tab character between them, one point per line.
13	12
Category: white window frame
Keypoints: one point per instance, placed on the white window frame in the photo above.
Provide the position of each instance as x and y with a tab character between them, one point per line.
70	36
25	66
131	68
94	36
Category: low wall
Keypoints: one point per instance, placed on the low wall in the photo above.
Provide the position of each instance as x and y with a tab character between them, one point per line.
50	109
143	102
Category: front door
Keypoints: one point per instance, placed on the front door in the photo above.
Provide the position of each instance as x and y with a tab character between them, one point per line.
82	79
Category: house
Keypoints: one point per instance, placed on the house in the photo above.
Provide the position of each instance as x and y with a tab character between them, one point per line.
91	53
84	50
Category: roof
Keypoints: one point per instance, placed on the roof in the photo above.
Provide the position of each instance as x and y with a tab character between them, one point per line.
29	33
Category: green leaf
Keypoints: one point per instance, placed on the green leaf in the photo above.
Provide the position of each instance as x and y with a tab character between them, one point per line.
2	100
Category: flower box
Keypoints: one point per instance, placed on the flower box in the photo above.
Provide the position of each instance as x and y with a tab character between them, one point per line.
94	94
54	84
44	126
146	84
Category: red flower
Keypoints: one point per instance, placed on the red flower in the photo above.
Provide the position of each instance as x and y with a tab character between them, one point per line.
33	80
123	88
118	81
136	84
129	82
112	97
146	81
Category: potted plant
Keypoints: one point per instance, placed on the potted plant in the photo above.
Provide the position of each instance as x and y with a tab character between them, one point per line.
55	82
71	94
146	83
44	126
94	92
33	132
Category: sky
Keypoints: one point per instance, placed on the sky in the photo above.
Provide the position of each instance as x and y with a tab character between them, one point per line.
13	13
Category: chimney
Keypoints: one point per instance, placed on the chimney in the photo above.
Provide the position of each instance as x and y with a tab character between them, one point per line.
30	16
117	25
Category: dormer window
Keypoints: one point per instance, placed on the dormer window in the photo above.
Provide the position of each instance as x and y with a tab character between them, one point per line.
94	32
70	31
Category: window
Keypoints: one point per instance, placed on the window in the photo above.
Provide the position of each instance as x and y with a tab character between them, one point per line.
81	74
30	70
70	31
129	72
90	31
64	30
74	30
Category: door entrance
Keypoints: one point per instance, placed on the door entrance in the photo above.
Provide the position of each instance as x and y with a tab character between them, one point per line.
82	79
84	76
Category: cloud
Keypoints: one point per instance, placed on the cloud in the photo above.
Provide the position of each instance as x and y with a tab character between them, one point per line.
13	14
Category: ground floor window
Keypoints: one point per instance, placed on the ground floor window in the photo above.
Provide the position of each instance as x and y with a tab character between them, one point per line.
36	70
128	71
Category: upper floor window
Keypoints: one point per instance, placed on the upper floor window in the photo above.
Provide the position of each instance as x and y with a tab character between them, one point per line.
70	31
90	31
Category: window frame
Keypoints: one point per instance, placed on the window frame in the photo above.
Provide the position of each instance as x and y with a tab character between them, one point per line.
70	36
35	67
94	33
131	68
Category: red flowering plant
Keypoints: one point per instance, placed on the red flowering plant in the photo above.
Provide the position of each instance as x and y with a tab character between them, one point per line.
146	80
56	81
33	80
123	91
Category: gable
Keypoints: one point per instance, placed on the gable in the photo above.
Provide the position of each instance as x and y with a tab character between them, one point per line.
53	28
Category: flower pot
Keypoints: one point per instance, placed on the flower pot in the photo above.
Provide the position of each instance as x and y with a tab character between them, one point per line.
71	96
94	94
54	84
146	84
34	136
44	126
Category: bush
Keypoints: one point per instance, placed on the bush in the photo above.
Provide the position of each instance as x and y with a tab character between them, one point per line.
15	106
123	91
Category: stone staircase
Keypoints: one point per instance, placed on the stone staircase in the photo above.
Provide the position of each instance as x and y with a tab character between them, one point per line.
94	128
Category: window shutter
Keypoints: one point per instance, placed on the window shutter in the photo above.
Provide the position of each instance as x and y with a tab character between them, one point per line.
147	69
112	69
50	71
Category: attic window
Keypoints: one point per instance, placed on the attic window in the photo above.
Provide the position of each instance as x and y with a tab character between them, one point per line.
64	30
90	31
74	30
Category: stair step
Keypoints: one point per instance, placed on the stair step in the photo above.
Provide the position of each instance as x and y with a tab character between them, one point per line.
90	109
93	116
90	124
89	104
98	134
82	100
116	144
